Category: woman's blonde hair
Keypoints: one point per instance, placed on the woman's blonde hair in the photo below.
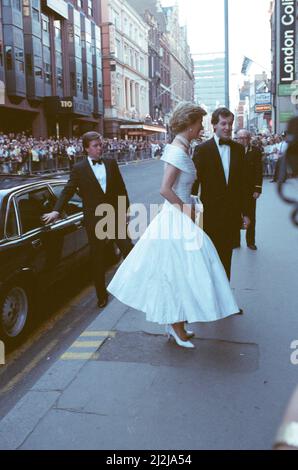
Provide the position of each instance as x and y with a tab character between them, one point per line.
185	115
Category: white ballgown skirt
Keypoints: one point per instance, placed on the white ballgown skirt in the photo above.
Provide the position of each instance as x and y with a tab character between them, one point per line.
174	273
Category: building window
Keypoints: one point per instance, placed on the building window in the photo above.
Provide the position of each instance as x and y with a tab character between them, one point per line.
20	66
35	14
141	40
38	72
114	17
79	83
59	73
118	96
126	26
59	70
142	65
78	41
125	54
48	73
90	7
19	57
57	25
8	57
90	87
17	5
118	49
45	25
136	61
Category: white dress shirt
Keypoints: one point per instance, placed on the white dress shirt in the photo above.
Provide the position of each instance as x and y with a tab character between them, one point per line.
225	155
100	174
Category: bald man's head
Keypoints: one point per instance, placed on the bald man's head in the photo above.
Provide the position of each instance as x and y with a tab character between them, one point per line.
244	137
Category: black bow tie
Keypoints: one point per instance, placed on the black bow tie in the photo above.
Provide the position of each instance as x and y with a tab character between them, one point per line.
97	162
225	142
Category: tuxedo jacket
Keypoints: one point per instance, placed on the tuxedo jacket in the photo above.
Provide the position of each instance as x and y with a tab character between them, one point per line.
224	204
83	181
253	168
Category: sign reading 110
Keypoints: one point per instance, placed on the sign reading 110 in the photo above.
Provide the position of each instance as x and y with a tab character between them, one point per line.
66	104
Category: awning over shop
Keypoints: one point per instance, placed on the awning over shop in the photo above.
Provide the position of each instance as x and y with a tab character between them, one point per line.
142	129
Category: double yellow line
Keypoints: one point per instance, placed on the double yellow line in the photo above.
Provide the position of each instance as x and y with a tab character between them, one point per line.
88	340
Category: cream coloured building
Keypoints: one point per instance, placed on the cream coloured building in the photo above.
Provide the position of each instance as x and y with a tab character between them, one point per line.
125	66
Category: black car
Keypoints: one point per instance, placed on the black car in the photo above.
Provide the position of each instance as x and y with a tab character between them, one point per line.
34	256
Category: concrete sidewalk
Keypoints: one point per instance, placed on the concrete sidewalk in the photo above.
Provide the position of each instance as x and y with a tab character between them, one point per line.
122	385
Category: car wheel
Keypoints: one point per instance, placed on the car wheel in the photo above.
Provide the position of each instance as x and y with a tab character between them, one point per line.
14	312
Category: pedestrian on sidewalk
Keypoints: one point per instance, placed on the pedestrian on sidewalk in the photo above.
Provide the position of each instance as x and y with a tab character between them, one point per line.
224	191
282	148
253	172
174	273
98	181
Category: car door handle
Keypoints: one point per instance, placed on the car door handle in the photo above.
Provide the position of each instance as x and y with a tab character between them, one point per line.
36	243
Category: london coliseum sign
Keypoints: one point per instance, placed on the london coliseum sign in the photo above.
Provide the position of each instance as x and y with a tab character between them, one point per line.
287	40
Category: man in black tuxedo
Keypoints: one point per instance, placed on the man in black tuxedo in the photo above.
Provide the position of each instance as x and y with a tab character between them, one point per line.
220	173
98	181
253	169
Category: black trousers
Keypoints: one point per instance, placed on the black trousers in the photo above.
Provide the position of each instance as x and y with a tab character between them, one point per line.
225	253
251	231
224	248
99	261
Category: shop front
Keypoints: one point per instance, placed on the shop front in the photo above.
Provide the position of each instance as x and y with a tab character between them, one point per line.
70	117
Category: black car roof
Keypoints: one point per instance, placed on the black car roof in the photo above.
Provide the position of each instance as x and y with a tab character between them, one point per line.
8	182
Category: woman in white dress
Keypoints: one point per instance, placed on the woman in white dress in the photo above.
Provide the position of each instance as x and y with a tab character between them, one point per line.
174	273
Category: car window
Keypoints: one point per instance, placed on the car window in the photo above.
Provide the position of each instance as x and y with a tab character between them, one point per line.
32	205
11	228
75	204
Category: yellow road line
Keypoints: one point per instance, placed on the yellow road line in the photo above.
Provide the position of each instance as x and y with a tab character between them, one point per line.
86	344
87	333
74	356
29	367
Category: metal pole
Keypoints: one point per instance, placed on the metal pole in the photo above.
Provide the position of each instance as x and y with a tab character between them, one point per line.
227	66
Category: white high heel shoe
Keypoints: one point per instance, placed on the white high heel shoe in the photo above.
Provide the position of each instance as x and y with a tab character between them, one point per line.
184	344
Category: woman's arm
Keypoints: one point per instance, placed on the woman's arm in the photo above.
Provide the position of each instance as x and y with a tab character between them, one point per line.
170	175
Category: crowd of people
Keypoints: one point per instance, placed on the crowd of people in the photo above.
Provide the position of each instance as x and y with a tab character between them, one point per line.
17	149
271	146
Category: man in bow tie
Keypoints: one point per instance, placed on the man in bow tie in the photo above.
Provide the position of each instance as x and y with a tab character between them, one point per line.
224	194
98	182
